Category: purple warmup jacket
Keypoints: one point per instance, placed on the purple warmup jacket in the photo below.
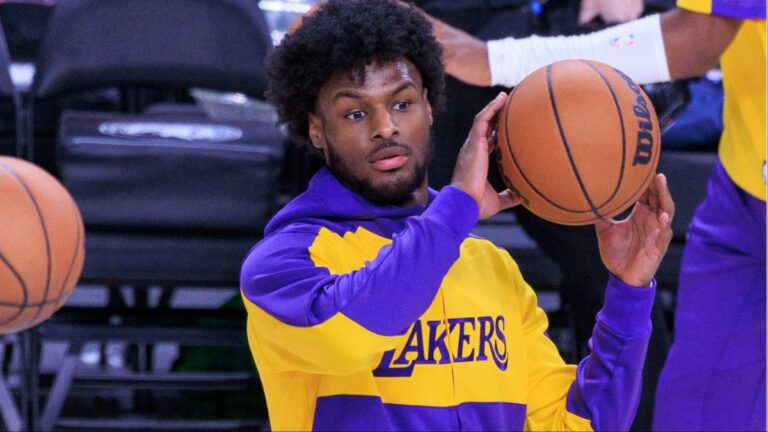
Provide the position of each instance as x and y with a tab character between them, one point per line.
363	317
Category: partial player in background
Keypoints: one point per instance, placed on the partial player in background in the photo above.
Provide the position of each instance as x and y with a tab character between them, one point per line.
714	377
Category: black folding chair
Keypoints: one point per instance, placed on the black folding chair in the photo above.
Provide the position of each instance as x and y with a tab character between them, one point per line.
168	199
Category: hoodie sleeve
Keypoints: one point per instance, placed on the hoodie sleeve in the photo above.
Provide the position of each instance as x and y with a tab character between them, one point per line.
303	316
602	393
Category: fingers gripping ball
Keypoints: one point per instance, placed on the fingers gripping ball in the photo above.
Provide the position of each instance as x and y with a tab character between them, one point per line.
579	142
41	245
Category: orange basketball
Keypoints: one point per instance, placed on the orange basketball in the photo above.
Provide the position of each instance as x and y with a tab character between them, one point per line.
579	142
41	245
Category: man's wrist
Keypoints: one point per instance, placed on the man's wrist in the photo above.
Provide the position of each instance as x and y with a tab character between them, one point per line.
634	281
627	309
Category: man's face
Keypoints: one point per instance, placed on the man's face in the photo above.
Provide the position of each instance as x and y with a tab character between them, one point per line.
373	129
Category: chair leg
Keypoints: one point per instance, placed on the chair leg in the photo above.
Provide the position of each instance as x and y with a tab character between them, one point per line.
59	389
115	299
30	389
166	296
144	398
8	409
7	354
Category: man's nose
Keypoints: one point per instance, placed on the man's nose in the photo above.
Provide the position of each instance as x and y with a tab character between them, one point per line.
383	125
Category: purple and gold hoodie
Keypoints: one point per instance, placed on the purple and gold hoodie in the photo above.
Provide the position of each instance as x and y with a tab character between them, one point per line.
363	317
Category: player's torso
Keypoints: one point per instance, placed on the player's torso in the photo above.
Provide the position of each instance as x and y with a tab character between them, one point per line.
742	146
464	353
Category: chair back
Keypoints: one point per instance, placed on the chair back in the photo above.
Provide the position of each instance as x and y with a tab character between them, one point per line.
220	44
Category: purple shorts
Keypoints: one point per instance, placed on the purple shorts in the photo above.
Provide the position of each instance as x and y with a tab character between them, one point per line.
714	377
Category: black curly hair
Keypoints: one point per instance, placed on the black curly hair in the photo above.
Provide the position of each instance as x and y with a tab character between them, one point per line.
347	35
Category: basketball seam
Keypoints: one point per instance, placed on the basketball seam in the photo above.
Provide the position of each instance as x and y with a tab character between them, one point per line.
37	304
533	187
24	185
623	134
25	294
634	197
566	146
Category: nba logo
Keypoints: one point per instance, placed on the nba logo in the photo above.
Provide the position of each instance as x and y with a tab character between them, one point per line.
622	41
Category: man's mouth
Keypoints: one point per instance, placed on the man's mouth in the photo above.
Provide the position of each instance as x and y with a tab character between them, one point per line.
390	158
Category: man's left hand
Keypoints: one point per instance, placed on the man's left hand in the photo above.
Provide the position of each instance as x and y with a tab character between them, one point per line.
632	249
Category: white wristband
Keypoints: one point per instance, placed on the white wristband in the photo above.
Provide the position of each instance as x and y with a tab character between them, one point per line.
635	48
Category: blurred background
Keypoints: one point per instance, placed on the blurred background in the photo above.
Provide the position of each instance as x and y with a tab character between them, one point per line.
152	114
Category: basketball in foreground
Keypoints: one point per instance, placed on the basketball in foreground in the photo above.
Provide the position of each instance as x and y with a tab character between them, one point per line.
578	142
41	245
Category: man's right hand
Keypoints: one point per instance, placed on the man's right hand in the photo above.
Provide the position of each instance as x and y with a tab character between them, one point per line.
471	172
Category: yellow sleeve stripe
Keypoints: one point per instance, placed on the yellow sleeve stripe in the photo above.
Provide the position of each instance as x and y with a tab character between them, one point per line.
700	6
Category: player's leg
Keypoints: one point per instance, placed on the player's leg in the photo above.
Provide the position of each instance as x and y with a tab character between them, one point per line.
714	378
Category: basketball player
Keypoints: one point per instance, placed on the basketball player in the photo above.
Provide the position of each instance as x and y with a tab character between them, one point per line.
370	307
714	377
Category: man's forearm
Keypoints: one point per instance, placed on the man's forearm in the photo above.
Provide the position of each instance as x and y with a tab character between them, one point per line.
608	382
680	44
465	57
636	48
694	42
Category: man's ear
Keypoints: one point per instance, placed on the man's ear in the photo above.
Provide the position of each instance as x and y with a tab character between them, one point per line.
425	95
316	134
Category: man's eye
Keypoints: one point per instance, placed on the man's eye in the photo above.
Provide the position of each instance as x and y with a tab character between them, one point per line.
355	115
402	105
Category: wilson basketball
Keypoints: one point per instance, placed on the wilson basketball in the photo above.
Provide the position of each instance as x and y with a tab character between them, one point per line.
578	142
41	245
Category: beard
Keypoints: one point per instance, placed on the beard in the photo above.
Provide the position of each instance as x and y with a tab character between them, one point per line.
396	193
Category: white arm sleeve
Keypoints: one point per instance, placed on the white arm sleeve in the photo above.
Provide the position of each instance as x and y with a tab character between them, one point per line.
635	48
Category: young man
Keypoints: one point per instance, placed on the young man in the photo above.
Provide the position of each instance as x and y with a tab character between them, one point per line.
370	306
714	377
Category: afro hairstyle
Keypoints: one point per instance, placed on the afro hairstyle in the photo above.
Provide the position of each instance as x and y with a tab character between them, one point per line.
342	36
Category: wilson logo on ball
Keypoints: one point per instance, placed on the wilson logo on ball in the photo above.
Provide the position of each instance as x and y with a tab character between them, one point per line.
644	145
